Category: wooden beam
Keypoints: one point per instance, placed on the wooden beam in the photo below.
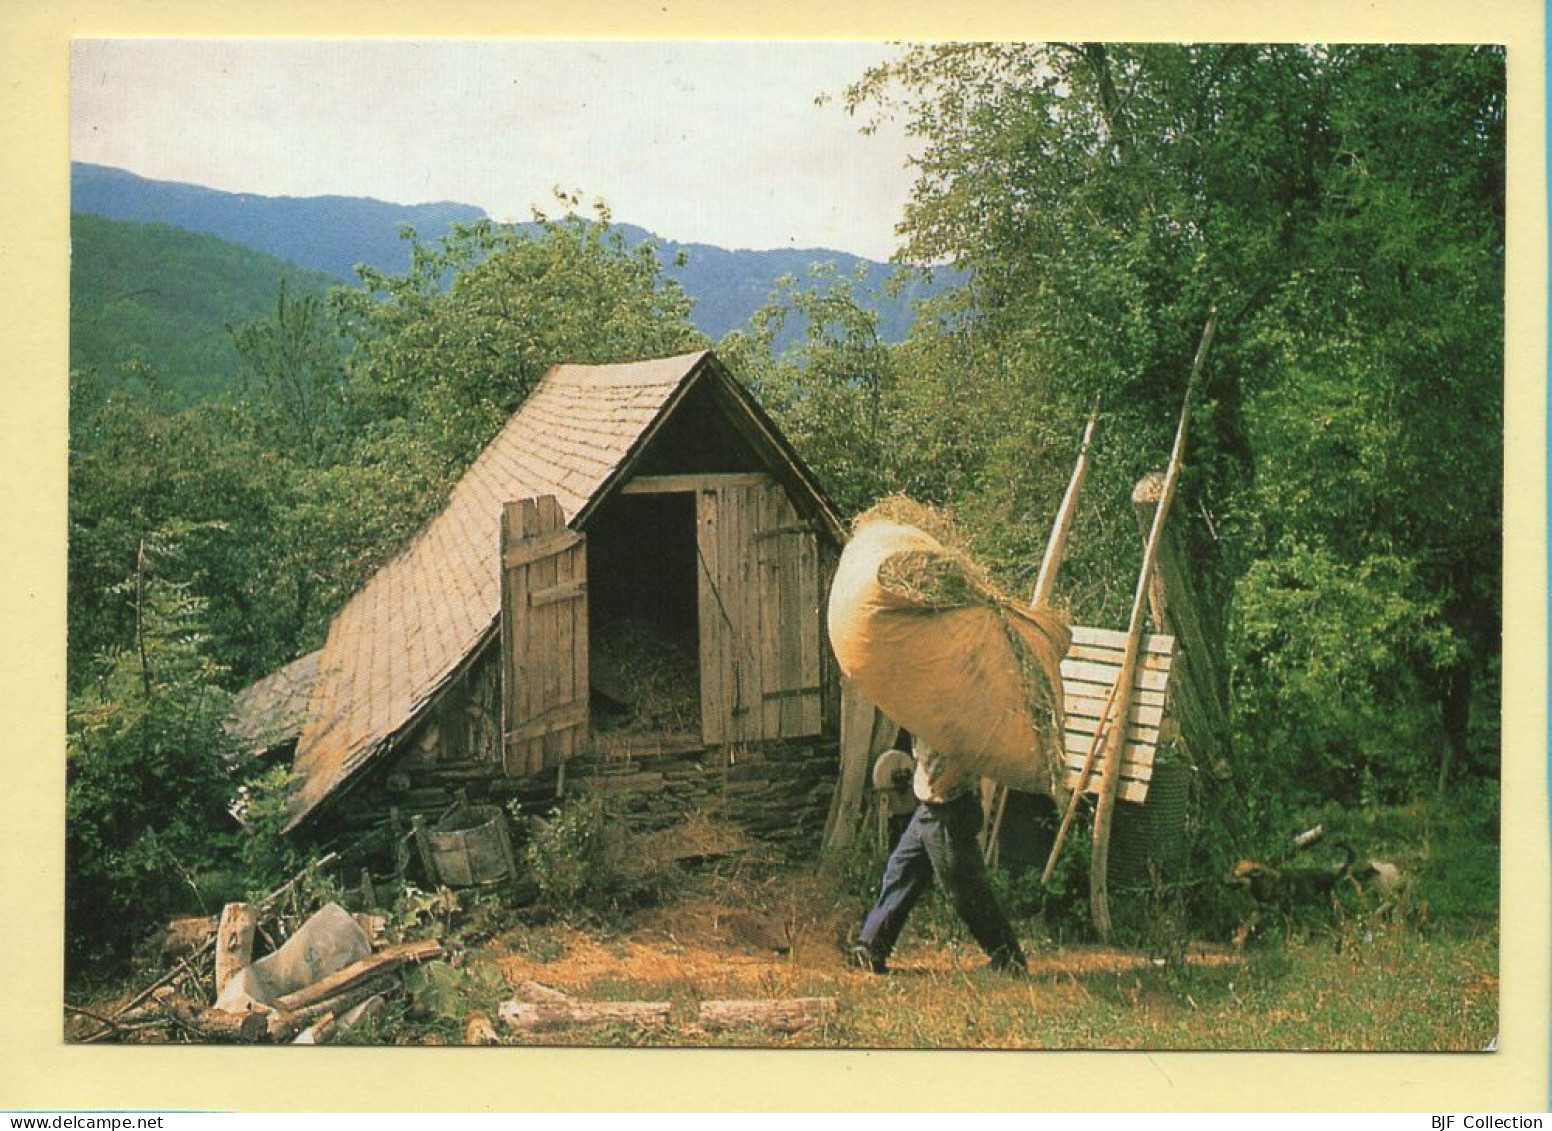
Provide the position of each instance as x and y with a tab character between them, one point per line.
564	591
710	481
541	546
1104	814
559	718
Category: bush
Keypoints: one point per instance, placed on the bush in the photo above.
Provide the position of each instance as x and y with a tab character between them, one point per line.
577	859
148	771
268	858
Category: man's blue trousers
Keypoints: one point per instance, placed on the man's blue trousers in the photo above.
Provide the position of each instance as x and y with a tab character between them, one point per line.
940	841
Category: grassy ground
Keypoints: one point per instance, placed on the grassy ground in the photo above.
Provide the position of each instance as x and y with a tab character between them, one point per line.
751	926
1383	987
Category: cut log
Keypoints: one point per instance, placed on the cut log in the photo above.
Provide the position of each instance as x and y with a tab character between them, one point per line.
282	1027
234	942
357	972
187	937
531	1015
785	1015
320	1032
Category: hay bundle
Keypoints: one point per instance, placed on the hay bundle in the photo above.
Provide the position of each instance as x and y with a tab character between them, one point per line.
918	623
649	676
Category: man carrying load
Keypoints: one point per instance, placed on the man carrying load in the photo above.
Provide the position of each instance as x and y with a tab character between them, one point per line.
940	841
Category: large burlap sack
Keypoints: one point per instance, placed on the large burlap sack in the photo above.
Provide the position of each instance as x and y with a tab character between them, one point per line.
977	677
329	941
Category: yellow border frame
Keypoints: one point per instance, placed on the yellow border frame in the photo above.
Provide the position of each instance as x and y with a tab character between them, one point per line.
38	1071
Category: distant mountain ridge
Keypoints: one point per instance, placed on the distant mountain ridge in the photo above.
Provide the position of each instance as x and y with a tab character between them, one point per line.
324	233
334	234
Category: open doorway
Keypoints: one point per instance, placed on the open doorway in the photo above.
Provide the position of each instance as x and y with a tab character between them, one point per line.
644	639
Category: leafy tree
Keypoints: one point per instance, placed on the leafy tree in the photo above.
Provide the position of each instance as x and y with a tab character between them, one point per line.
291	386
1343	208
149	764
833	391
446	352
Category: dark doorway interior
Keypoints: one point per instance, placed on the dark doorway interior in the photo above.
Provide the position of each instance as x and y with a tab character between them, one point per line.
643	616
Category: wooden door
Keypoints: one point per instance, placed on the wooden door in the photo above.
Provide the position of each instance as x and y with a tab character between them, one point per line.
543	637
759	616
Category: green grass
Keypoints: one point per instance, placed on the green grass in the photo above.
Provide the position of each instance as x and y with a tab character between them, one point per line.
1381	988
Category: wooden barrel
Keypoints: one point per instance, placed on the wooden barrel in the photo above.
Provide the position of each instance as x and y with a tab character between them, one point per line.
472	848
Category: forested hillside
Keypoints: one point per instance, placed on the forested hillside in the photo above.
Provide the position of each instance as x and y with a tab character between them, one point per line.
165	298
332	234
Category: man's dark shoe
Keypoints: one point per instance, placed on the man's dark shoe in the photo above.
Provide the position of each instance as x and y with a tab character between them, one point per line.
864	958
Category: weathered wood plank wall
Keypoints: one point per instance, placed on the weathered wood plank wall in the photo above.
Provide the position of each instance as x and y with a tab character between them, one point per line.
544	626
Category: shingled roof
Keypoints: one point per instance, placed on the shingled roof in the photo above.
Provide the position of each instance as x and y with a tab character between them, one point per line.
273	711
406	634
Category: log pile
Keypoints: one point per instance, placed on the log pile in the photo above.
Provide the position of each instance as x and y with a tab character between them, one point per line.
177	1005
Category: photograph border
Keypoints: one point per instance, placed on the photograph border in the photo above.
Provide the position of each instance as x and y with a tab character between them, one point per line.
38	1071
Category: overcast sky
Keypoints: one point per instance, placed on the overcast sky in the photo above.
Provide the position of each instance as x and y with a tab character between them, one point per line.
718	143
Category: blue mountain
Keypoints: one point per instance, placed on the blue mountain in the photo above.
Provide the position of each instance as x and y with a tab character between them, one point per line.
335	234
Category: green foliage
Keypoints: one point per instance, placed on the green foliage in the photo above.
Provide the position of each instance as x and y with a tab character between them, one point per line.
425	915
444	992
1331	660
570	855
292	387
148	766
268	858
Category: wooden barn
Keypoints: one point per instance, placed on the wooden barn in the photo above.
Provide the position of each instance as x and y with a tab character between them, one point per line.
623	593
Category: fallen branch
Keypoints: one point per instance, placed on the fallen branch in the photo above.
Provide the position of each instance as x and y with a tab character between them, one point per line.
357	972
283	1026
274	897
786	1015
176	972
87	1013
530	1015
213	1025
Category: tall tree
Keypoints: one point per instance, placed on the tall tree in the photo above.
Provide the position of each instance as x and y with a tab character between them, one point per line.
1343	208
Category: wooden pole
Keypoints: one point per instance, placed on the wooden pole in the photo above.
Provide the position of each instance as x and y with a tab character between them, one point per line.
1115	740
1100	733
1056	545
1045	582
